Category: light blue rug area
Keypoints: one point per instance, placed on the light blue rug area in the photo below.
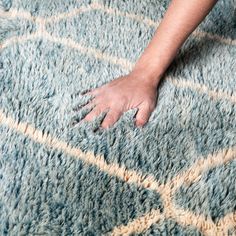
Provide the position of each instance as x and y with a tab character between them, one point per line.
60	179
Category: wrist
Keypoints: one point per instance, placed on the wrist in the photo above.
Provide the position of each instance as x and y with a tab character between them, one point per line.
151	77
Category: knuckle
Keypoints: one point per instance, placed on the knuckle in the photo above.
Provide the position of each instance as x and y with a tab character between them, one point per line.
118	101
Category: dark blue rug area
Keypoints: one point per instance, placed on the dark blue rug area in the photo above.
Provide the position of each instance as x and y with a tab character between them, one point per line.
176	176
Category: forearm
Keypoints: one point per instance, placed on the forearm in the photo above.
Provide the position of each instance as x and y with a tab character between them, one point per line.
180	20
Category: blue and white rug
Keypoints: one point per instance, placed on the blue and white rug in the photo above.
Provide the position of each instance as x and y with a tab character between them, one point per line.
176	176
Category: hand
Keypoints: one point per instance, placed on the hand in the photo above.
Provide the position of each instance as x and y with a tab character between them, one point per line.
120	95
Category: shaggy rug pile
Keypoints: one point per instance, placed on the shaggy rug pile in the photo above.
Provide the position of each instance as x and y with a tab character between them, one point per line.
175	176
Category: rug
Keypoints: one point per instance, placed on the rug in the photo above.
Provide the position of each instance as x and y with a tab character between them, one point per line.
174	176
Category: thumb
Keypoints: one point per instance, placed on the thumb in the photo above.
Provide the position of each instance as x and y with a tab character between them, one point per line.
143	115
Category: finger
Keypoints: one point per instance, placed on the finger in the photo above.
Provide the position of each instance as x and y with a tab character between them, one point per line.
82	92
143	115
88	104
111	118
89	107
96	111
92	92
79	106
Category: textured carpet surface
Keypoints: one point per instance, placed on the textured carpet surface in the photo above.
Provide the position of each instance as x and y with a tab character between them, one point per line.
176	176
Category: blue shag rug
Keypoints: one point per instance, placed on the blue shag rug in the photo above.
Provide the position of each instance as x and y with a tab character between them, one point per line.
176	176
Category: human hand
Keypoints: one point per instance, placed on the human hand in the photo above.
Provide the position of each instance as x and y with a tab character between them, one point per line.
120	95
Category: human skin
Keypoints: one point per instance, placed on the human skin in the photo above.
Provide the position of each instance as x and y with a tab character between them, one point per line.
138	89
